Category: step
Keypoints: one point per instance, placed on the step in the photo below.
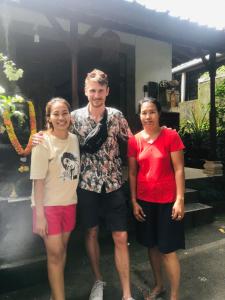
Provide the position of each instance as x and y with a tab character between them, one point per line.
191	195
197	214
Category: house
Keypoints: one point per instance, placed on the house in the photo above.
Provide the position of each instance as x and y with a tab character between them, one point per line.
57	43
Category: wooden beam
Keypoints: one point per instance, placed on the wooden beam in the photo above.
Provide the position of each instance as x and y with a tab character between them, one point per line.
74	68
55	24
205	61
91	31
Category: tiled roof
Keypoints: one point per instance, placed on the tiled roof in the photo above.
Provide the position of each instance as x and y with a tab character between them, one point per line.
147	4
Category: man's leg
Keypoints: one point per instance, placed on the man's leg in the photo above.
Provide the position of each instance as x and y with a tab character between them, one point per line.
93	250
88	206
122	261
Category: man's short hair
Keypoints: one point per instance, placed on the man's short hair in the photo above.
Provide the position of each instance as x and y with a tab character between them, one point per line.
97	76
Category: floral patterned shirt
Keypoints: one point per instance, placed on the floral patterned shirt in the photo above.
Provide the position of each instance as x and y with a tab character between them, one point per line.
105	165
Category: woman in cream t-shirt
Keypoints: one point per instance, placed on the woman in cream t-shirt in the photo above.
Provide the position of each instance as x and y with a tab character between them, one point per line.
55	166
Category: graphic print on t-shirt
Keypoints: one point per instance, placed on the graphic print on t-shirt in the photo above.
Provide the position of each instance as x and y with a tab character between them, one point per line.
70	166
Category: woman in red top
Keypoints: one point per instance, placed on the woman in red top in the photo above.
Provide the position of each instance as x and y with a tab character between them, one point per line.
156	175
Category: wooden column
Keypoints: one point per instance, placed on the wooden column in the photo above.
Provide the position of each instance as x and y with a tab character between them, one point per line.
74	68
212	114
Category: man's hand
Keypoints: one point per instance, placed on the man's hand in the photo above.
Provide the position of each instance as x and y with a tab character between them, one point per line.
37	138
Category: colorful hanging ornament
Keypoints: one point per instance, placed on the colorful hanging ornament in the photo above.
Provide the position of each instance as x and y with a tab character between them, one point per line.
11	132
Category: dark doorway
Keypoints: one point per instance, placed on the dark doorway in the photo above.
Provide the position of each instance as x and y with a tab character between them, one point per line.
47	72
120	96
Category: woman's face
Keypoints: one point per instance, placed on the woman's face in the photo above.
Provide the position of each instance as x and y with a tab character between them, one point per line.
149	115
59	116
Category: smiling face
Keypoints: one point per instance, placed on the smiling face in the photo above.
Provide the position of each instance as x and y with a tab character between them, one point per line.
149	115
96	94
59	117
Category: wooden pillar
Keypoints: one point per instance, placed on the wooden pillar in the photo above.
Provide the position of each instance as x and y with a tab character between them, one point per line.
212	114
74	68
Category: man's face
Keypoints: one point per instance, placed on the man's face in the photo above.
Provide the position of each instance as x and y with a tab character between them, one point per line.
96	94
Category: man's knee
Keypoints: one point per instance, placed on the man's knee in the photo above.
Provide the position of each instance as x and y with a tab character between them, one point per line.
92	233
168	257
120	238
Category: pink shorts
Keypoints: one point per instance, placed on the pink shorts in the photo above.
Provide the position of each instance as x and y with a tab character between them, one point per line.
60	219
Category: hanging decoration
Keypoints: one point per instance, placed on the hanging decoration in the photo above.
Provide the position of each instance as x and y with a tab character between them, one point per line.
11	132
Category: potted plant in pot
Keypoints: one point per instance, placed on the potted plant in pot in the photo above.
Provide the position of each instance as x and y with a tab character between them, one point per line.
195	135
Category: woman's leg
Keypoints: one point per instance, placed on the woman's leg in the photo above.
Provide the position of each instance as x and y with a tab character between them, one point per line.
172	267
65	237
56	246
155	259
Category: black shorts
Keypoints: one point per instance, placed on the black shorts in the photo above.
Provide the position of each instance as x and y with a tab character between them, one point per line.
159	230
110	207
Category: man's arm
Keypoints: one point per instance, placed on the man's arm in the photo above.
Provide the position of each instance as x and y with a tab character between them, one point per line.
37	138
124	129
137	210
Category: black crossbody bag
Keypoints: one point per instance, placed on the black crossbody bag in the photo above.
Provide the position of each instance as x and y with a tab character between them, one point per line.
96	137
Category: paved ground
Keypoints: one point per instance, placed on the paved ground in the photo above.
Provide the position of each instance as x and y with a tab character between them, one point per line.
203	269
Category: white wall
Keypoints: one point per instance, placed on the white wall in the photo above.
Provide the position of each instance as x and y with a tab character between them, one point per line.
153	62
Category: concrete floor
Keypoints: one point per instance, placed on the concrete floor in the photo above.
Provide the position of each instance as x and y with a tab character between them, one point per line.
202	263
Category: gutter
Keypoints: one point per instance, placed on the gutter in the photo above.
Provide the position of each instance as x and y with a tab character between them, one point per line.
195	64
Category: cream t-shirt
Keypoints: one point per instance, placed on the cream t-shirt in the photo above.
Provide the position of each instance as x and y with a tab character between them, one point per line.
58	162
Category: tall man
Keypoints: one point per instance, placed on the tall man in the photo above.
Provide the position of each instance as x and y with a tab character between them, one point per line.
100	192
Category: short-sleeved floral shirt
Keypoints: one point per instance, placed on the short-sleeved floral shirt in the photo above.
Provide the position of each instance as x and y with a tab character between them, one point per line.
105	165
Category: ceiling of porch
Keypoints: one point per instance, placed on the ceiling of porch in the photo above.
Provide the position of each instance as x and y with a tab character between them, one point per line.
189	40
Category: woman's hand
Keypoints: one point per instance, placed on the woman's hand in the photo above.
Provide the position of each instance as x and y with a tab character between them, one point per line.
178	210
41	226
138	212
37	138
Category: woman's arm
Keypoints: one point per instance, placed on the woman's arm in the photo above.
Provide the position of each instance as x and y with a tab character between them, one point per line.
177	158
137	210
41	223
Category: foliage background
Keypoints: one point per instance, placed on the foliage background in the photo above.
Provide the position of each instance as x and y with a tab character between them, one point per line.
195	130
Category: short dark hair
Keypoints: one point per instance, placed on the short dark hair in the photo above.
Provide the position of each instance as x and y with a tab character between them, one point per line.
149	100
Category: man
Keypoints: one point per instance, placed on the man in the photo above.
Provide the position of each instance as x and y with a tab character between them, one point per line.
98	129
100	192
